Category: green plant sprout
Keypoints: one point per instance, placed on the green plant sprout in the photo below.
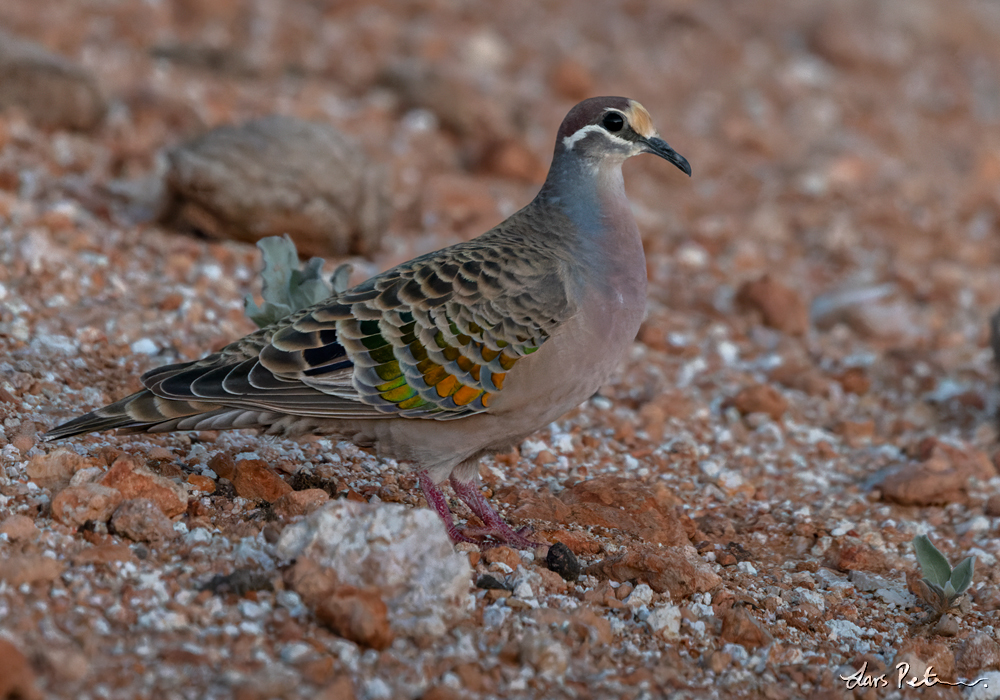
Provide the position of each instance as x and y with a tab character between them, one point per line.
941	586
286	287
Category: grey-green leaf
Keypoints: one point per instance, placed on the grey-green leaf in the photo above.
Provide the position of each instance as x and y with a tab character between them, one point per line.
340	277
961	576
285	288
933	564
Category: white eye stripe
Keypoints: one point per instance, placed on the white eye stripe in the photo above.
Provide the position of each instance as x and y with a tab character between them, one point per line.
570	141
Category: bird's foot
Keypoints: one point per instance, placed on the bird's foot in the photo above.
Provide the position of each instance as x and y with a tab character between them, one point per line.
489	537
495	530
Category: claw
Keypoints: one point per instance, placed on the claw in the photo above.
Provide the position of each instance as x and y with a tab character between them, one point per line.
493	533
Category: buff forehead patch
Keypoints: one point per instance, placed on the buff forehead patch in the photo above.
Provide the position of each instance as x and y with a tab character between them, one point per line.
640	120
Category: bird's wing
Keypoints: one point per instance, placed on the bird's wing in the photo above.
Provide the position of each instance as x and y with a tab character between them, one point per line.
432	338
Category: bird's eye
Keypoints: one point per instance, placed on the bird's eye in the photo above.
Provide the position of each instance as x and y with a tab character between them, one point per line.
613	122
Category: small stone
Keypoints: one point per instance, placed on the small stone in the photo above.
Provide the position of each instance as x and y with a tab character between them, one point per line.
18	528
357	614
779	306
549	658
719	661
404	553
77	505
921	652
944	476
223	465
740	627
854	554
855	381
490	583
665	621
615	502
17	680
442	692
53	91
140	520
201	483
29	568
134	481
641	596
674	570
978	652
561	560
504	555
103	554
761	398
54	470
947	626
341	688
256	481
993	506
298	503
144	346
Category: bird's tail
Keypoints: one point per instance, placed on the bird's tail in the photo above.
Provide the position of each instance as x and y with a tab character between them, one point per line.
144	412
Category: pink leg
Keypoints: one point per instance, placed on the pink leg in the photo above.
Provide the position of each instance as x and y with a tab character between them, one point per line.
494	526
436	500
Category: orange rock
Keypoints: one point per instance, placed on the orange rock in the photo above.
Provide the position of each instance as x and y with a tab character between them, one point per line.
943	477
77	505
17	680
297	503
18	528
587	625
977	652
29	568
853	554
779	306
855	381
855	432
740	627
140	520
310	580
442	692
341	688
677	570
761	398
104	554
357	614
578	542
134	481
614	502
920	652
504	555
201	483
802	376
223	465
256	481
54	470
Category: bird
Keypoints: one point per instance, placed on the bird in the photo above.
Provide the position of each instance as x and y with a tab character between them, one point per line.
454	355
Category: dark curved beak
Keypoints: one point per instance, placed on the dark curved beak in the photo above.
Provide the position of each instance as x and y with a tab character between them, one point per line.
662	148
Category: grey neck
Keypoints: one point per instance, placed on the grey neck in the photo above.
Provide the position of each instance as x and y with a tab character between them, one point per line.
591	193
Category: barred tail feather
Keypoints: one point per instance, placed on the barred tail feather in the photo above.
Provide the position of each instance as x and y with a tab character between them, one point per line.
141	412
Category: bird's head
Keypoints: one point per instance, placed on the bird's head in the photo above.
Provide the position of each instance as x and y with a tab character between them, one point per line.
610	130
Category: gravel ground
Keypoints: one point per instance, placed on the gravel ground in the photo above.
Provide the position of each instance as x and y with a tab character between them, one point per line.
813	386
